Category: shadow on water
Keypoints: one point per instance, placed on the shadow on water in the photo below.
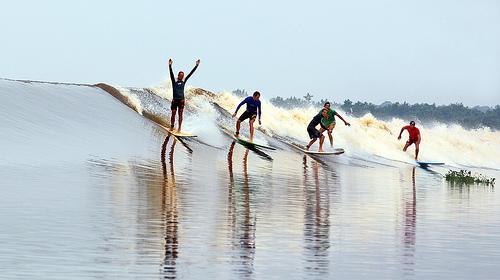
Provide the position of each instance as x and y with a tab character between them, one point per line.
170	212
316	219
241	219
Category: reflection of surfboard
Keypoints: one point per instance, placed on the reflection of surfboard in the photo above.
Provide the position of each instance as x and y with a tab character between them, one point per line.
427	164
247	142
336	151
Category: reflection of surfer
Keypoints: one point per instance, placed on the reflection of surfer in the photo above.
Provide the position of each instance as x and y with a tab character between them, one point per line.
316	220
414	138
178	92
242	220
170	213
409	225
253	109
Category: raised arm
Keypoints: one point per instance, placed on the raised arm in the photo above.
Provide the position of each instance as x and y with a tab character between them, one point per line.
171	72
192	71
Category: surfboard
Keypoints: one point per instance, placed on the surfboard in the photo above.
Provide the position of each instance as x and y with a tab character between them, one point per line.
248	143
180	133
427	164
336	151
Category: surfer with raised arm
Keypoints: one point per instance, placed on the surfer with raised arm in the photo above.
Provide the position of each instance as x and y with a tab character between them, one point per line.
328	120
253	109
178	93
314	133
414	138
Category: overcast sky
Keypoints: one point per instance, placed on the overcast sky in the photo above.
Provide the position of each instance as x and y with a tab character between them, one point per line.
439	51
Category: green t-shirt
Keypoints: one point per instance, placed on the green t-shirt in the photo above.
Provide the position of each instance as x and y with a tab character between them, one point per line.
331	117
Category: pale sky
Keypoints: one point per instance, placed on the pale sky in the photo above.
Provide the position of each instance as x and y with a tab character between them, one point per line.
439	51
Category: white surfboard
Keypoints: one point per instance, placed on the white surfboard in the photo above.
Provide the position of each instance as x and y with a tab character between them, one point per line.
336	151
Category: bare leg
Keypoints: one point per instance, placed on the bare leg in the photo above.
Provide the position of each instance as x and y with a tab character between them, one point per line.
330	137
321	140
406	146
238	123
181	111
417	144
310	143
172	119
251	129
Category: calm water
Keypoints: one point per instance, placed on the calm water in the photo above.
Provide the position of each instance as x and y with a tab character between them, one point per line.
101	192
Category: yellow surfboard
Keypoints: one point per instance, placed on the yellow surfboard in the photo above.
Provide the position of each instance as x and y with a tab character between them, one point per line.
180	133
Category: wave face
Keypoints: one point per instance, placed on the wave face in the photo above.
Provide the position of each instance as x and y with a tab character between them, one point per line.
54	114
49	123
367	138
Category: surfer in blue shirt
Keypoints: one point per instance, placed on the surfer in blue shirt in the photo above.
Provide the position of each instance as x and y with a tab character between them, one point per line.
178	93
253	109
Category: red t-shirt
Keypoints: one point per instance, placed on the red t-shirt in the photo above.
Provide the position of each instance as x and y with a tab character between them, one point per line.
413	131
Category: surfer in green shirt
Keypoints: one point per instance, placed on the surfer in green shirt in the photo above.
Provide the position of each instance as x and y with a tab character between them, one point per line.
328	120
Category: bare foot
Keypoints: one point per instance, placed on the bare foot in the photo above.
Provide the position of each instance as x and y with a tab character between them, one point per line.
307	147
320	150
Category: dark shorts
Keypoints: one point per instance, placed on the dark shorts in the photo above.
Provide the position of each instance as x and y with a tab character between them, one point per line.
411	141
323	126
177	103
247	115
313	132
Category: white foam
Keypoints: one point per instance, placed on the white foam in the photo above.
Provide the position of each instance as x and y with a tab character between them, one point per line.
164	90
132	99
370	137
203	122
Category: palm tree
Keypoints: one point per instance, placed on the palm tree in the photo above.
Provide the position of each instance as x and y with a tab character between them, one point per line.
308	97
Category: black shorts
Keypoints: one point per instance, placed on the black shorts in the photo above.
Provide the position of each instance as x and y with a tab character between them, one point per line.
313	132
177	103
247	115
323	126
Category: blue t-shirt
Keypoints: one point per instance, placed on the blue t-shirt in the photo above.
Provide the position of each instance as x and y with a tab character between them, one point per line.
252	105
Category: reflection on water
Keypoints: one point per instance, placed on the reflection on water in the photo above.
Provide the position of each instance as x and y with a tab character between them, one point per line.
316	219
169	210
241	221
409	224
204	213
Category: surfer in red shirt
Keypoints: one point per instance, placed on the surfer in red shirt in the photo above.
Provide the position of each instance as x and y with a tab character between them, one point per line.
414	137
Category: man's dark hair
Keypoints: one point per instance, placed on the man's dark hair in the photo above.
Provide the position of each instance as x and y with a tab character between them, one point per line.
327	102
256	93
412	123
